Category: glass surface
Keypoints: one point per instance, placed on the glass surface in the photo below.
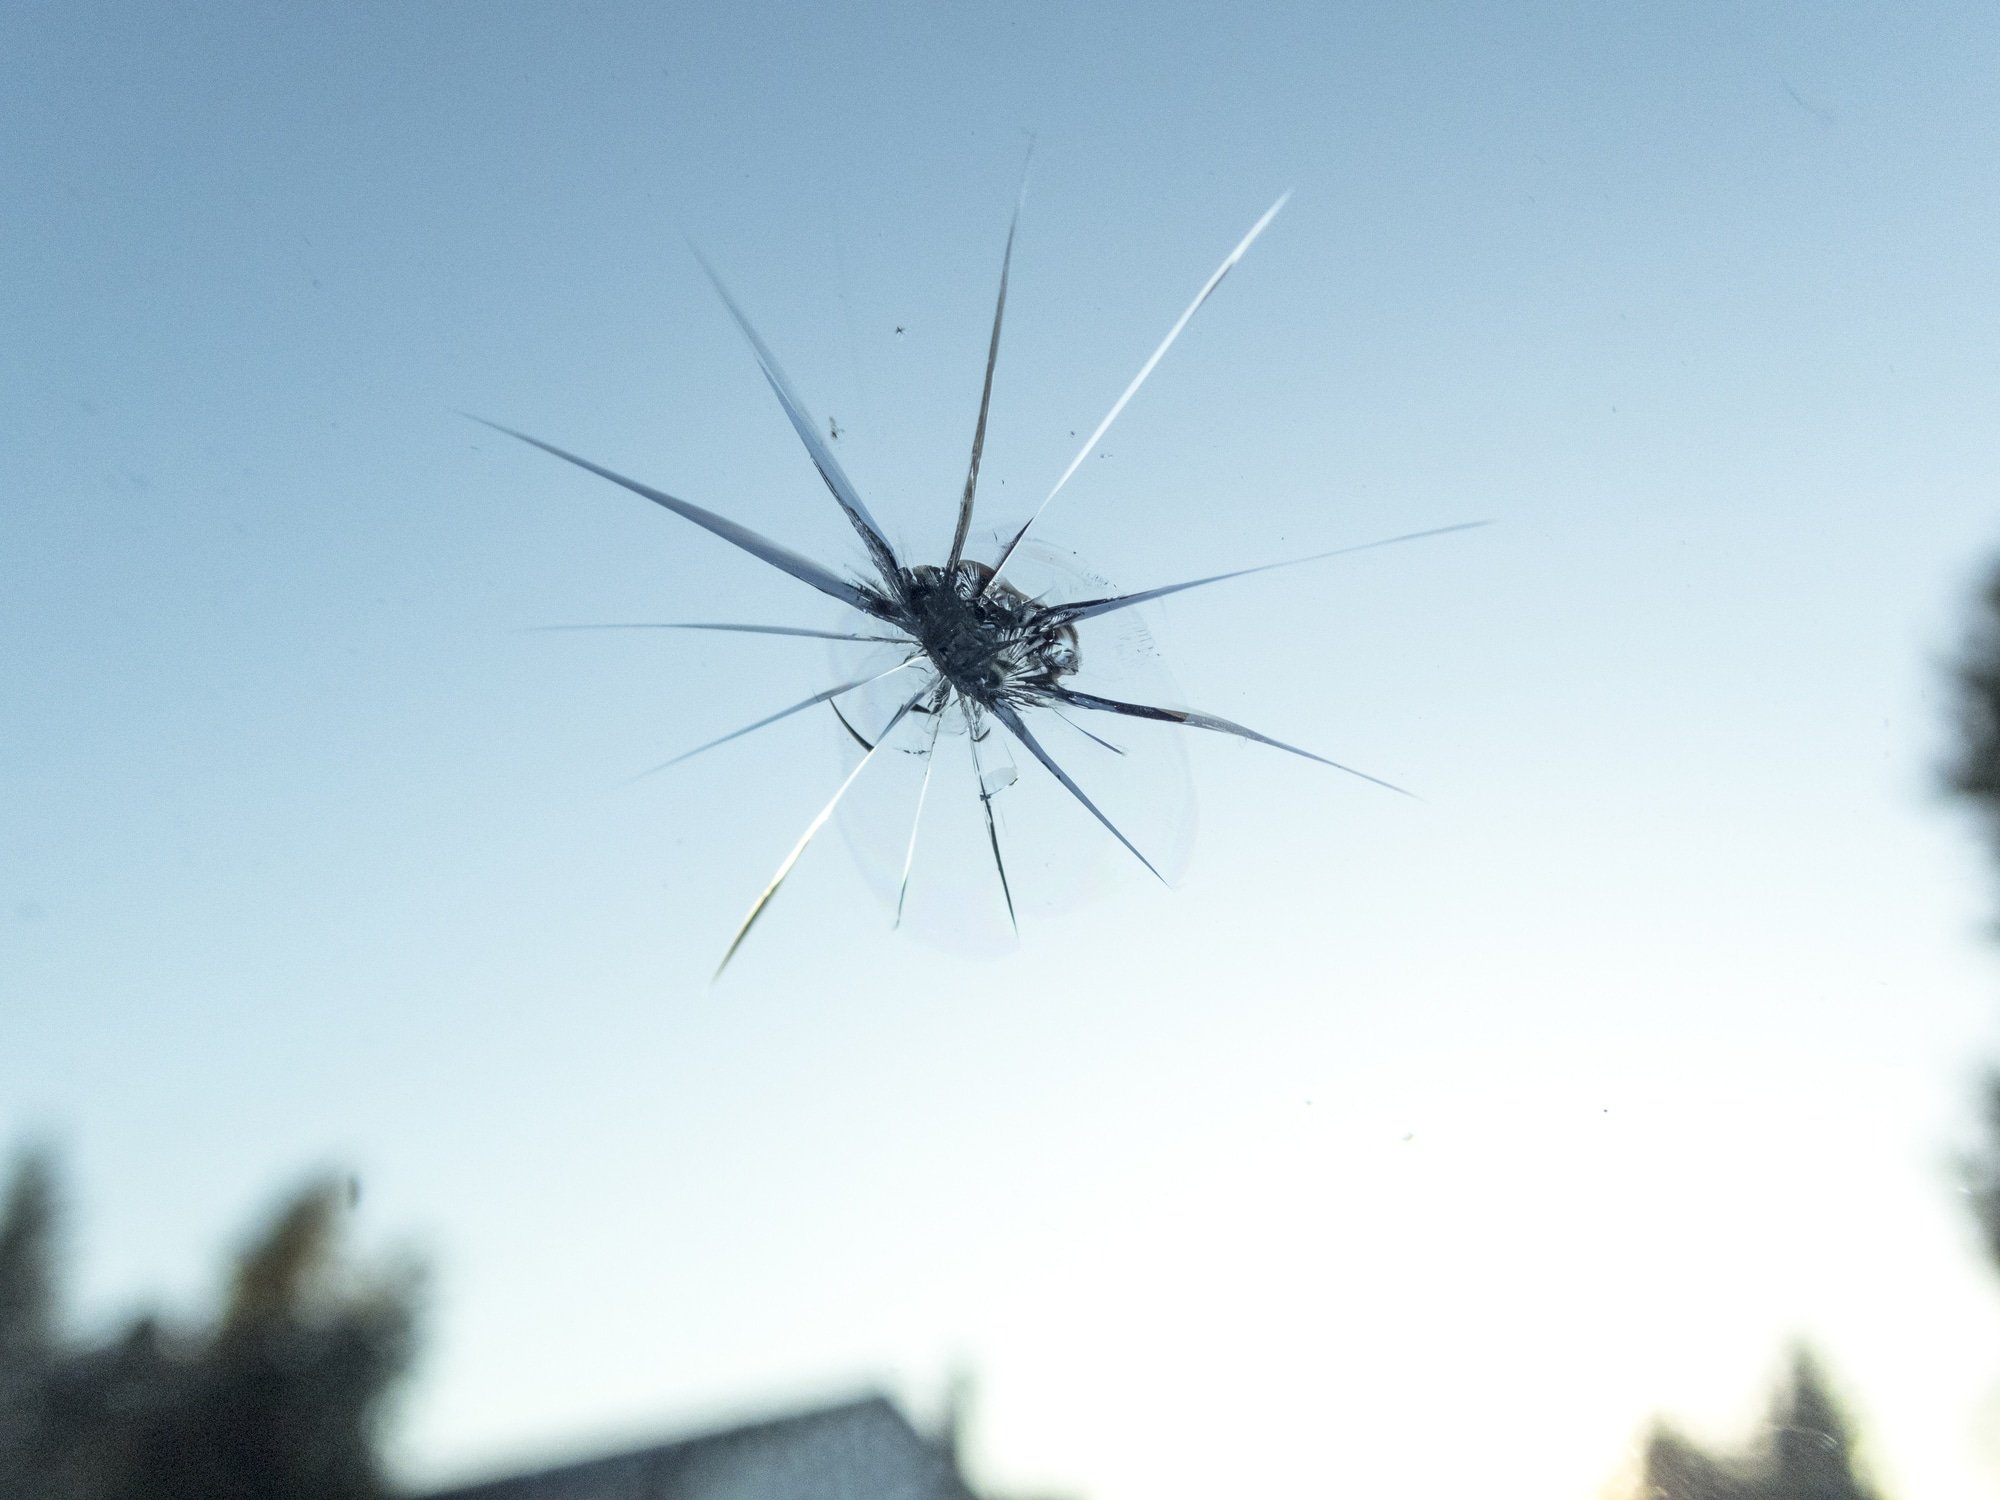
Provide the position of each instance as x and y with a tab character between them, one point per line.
1398	1145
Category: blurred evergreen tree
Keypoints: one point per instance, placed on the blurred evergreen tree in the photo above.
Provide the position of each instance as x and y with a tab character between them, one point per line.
1811	1467
1974	774
279	1400
1806	1453
1975	770
1808	1450
28	1264
27	1321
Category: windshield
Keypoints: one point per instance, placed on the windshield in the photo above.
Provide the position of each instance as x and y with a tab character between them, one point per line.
1402	1023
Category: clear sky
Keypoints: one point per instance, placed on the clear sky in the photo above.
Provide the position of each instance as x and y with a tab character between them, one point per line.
1404	1143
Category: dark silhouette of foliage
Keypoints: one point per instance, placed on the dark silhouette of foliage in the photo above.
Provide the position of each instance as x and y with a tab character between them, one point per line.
1805	1452
28	1263
27	1319
1982	1175
1974	774
1808	1447
278	1400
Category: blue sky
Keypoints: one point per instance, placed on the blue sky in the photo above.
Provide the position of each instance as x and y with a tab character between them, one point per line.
1566	1094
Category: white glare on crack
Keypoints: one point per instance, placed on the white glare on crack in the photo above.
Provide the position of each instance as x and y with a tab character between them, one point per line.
957	679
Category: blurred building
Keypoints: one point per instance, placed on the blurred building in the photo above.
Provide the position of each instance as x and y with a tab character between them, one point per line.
864	1449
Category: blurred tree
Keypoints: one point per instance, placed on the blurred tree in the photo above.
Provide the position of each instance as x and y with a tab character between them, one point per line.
1808	1449
1806	1453
283	1398
1982	1175
28	1263
27	1320
1974	774
280	1400
1975	770
1814	1467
